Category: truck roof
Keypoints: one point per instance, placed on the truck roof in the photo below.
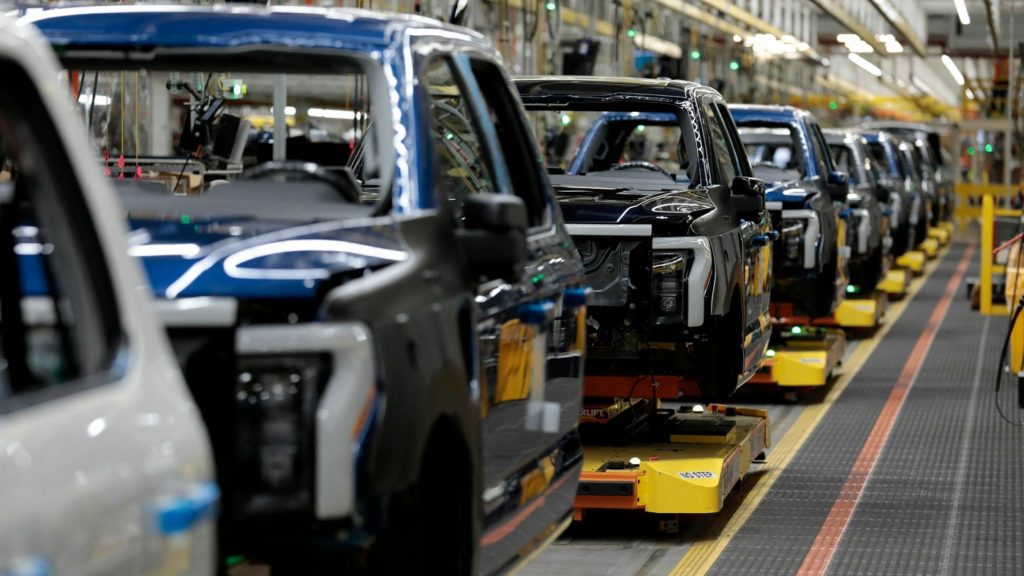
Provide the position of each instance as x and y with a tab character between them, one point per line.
230	26
600	87
766	112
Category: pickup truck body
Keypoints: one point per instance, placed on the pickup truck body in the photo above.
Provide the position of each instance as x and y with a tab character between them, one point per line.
805	197
895	162
384	350
937	171
680	263
106	468
870	206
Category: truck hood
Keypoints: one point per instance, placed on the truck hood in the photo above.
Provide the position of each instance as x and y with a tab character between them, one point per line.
252	258
790	193
597	205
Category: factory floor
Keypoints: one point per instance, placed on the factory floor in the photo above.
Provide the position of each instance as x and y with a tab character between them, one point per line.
901	465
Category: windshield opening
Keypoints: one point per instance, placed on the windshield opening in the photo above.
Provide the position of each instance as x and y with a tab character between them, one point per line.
624	148
188	123
775	151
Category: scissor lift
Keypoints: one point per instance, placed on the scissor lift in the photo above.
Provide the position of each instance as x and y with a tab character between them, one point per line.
639	455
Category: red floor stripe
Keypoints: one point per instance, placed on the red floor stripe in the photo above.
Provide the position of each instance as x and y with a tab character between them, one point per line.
824	548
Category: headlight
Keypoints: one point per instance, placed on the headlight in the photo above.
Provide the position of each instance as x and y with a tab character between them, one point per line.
792	232
668	284
275	403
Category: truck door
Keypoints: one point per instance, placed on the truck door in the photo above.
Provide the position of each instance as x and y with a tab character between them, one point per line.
755	233
530	373
96	433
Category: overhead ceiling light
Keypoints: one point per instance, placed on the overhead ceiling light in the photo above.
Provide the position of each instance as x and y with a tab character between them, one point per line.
288	110
331	113
953	70
737	38
892	45
855	43
866	65
961	11
970	95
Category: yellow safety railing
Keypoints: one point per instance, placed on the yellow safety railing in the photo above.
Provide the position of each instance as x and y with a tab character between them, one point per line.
969	197
988	214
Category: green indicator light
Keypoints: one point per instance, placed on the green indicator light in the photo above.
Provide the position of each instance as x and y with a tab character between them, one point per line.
796	330
695	55
234	560
640	127
988	148
566	119
186	219
734	65
970	150
537	279
852	289
770	353
449	136
833	105
631	33
551	6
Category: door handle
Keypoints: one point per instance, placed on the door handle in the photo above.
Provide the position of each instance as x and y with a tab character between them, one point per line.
576	296
177	514
536	313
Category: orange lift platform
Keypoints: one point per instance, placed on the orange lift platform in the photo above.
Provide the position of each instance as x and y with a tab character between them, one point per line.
639	455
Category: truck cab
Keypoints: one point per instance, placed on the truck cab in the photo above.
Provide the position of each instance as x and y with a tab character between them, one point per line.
806	196
673	233
362	270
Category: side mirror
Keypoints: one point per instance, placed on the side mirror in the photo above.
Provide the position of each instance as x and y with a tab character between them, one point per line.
747	195
747	186
838	185
493	238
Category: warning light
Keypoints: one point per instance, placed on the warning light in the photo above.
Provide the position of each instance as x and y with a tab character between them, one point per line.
631	33
833	105
988	148
734	65
695	55
566	119
796	330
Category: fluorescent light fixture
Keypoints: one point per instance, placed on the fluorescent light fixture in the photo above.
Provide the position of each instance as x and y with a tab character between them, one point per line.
951	66
970	95
866	65
892	45
87	100
961	11
855	43
288	110
331	113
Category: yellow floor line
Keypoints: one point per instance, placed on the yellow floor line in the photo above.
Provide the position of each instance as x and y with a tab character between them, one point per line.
704	552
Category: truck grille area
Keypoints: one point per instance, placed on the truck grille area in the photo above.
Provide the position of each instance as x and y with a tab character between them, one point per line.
259	413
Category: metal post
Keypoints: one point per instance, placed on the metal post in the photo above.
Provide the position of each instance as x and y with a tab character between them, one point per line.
280	118
987	227
1008	154
159	115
